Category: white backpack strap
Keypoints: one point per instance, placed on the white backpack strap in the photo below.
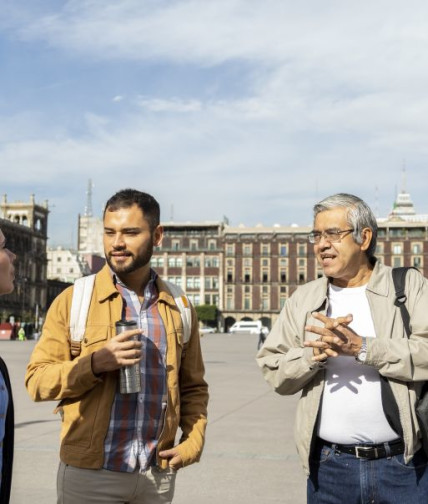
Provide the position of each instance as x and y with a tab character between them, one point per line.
82	294
183	304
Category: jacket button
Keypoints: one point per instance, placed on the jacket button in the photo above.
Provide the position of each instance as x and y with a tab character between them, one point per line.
85	340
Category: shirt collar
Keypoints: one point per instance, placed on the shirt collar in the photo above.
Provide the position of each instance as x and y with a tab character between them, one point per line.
150	289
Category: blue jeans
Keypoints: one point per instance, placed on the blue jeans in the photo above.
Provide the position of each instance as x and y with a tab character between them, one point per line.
339	478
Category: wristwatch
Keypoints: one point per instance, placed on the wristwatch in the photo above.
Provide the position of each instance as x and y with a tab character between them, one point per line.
362	353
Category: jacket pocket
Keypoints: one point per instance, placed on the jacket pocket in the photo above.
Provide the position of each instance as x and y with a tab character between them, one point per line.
96	336
79	420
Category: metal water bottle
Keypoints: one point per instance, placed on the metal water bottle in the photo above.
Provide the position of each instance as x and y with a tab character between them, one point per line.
130	379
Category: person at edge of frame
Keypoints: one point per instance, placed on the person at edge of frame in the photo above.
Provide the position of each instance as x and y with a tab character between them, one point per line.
7	422
119	448
340	341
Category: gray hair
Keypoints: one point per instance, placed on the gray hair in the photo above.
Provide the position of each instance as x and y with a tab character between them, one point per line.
359	216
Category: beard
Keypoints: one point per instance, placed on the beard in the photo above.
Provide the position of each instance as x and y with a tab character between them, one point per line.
136	263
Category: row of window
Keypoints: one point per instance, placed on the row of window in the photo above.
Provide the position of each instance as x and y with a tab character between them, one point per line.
59	259
214	262
398	248
212	282
247	249
64	270
265	290
265	276
193	245
402	233
248	304
398	261
197	299
191	262
248	262
194	282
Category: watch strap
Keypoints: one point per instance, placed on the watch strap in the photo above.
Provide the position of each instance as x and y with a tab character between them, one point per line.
362	353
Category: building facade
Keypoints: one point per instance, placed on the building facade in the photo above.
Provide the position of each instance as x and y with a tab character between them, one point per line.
263	266
66	265
246	272
25	225
90	235
249	272
191	256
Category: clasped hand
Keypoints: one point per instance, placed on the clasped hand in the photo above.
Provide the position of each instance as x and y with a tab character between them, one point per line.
335	338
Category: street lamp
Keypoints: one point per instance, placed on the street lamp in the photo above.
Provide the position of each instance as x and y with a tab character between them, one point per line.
22	281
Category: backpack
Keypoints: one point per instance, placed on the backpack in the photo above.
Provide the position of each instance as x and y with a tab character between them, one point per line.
82	294
399	278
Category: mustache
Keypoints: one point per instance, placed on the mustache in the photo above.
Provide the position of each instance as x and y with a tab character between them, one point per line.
115	254
121	251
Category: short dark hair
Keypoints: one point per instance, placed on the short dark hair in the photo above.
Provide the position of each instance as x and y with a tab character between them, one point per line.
128	197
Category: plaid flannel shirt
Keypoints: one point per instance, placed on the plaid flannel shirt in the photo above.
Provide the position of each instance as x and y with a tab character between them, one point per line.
136	420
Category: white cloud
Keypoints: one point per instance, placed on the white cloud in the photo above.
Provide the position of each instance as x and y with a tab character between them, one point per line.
334	100
171	105
339	35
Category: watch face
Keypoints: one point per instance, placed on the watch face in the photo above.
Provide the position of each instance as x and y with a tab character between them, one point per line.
362	356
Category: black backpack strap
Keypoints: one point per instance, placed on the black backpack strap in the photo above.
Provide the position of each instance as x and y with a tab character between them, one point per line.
399	278
389	404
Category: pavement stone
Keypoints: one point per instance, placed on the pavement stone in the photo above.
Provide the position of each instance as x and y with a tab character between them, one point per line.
249	455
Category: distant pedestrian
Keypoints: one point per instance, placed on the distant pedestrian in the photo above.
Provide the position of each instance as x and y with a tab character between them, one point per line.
7	276
21	334
262	337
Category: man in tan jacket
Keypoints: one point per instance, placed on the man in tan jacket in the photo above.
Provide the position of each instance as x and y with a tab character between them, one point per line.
120	448
340	341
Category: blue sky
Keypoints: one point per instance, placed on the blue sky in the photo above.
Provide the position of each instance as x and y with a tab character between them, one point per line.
253	110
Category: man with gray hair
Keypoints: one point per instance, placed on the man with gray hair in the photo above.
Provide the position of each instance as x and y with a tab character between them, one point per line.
340	341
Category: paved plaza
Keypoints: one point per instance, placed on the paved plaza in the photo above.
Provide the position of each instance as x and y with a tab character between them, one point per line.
249	456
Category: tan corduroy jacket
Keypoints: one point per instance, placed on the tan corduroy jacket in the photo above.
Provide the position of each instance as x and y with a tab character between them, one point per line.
86	401
288	367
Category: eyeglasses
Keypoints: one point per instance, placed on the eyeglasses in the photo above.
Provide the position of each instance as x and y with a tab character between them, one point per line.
330	235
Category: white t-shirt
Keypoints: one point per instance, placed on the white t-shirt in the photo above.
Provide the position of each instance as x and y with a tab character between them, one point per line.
351	408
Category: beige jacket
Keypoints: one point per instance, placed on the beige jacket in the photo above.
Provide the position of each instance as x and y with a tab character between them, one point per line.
86	401
288	367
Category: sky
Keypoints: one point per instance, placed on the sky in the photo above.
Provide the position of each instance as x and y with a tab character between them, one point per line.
246	109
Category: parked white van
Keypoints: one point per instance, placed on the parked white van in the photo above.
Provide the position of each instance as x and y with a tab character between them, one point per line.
247	326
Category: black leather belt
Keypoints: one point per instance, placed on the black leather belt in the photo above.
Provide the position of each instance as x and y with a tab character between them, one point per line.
369	451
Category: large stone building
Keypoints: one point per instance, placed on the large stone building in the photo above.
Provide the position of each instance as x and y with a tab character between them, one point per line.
25	225
90	229
191	256
90	235
66	265
248	272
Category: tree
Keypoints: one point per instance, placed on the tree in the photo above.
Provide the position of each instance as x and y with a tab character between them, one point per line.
206	313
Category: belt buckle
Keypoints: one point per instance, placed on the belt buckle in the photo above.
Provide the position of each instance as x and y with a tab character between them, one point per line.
365	449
